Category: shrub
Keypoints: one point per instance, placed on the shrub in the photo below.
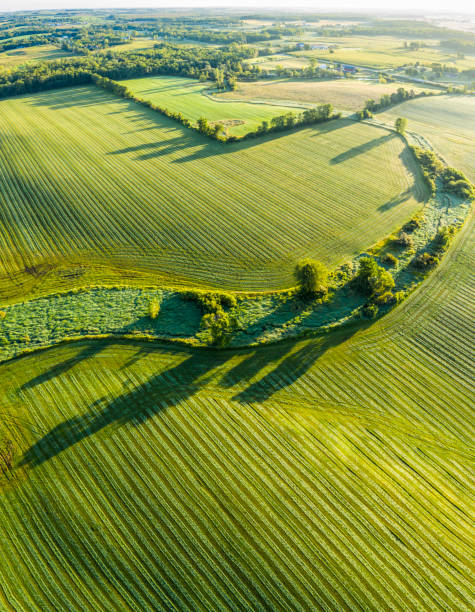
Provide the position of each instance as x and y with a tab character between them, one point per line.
372	279
220	325
411	225
381	282
153	308
370	311
385	298
389	259
312	277
425	260
443	238
404	240
227	299
456	182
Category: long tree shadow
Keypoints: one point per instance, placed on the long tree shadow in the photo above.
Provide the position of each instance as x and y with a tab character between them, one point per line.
135	406
396	200
90	350
150	150
253	363
295	365
363	148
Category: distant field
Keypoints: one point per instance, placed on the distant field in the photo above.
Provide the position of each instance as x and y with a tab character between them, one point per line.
135	45
271	62
39	53
385	52
89	177
347	94
447	122
329	474
186	96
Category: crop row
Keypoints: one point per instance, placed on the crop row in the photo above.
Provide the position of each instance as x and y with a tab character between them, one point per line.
94	178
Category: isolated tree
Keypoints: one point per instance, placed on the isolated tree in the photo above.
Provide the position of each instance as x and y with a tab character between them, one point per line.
400	124
312	277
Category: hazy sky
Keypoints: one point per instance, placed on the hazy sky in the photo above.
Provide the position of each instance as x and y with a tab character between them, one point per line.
428	6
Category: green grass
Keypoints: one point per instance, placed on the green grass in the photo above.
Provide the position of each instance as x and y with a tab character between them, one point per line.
386	52
30	55
328	474
447	122
96	189
186	96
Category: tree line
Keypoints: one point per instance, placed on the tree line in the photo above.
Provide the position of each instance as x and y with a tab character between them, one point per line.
387	100
164	59
216	130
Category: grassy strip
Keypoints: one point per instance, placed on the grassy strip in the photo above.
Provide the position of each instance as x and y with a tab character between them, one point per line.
208	318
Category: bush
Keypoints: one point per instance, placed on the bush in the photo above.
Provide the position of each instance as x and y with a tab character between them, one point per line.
425	260
411	225
385	298
220	325
443	238
370	311
404	240
372	279
153	308
389	259
211	302
456	182
312	277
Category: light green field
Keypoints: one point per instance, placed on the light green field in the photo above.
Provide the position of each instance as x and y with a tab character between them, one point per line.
447	122
344	94
135	45
96	189
385	52
271	62
186	96
29	55
334	474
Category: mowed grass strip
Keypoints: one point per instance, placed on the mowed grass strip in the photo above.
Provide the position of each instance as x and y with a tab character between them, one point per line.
87	176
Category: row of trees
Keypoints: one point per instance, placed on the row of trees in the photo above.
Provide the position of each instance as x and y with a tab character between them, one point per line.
395	98
124	92
289	120
164	59
216	130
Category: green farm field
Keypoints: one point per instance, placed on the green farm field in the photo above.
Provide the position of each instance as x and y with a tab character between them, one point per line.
187	96
385	52
447	122
98	189
344	94
30	55
333	473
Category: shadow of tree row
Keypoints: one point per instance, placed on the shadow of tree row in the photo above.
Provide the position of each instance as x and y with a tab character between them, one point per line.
177	384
